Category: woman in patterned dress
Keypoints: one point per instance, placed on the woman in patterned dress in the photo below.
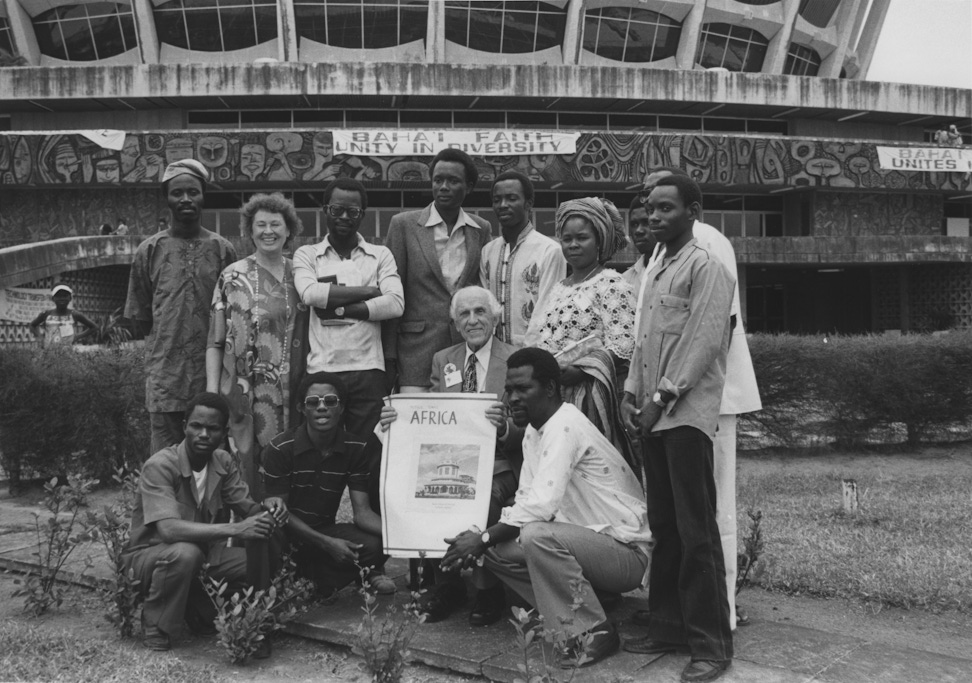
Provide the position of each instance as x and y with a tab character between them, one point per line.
257	344
587	320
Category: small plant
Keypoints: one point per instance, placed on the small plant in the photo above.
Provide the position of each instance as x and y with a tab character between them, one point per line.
112	528
111	330
540	663
752	548
57	538
383	640
245	619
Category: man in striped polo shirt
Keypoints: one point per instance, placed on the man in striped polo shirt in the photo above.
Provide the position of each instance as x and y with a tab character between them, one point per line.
309	466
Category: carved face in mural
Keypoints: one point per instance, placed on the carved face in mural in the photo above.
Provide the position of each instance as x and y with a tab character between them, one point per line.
177	149
323	146
252	160
130	153
212	150
153	165
107	171
22	163
66	162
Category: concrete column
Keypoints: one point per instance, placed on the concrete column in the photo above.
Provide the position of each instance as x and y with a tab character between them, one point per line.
688	44
148	37
779	46
23	32
869	34
574	32
834	62
286	32
435	34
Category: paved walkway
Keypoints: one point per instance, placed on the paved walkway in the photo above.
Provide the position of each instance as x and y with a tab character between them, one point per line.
766	651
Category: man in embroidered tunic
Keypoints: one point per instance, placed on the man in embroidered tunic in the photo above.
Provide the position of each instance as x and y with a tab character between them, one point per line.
353	286
521	268
578	522
169	295
671	400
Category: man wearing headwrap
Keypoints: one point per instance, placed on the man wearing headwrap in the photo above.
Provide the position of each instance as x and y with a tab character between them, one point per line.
169	295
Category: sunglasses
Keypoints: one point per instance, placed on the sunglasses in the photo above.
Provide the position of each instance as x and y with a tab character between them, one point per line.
335	211
329	401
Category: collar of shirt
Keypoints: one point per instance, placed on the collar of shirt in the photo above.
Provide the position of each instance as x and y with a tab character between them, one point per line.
363	244
482	356
463	219
527	229
185	468
303	443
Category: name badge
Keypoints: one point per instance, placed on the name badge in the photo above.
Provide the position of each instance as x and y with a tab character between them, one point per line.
452	375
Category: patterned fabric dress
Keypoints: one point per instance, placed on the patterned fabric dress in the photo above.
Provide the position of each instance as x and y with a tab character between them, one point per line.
603	306
264	354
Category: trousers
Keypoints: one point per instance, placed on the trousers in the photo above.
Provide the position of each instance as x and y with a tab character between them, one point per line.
724	471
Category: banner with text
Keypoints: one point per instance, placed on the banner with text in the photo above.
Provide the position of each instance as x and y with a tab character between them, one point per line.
943	159
488	143
21	305
436	471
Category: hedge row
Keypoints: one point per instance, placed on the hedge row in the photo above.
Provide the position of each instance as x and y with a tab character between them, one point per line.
862	389
67	411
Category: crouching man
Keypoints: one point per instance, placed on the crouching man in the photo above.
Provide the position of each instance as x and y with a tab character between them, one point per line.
578	521
179	523
309	466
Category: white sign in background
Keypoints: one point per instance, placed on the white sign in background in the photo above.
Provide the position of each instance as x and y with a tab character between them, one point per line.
943	159
394	143
436	471
21	305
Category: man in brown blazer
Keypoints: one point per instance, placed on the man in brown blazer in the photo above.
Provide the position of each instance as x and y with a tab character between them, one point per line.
437	250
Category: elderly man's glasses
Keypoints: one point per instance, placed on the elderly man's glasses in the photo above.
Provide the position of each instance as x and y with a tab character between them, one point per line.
328	401
336	211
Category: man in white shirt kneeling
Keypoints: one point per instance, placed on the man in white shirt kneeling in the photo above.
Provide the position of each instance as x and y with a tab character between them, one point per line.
578	522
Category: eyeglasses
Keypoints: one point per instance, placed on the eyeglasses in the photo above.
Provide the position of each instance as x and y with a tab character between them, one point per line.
329	401
336	211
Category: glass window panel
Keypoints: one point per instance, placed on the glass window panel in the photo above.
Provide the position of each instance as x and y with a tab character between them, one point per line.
171	27
732	224
6	37
344	26
311	21
731	47
78	40
414	22
380	26
818	12
203	30
49	40
521	31
238	28
773	225
266	22
107	35
485	30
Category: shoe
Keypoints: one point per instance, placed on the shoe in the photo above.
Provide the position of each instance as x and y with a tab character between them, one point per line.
155	639
641	617
488	606
264	649
742	616
438	601
604	644
649	646
704	670
382	584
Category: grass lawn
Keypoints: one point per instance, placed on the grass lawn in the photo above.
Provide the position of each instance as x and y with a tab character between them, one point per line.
910	545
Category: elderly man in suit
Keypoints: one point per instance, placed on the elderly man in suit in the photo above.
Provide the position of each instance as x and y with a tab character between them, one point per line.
437	251
476	365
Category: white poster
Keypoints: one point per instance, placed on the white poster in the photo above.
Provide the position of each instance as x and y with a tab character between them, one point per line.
436	471
947	159
395	143
21	305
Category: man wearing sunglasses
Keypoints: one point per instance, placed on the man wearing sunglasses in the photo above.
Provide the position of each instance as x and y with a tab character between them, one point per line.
353	285
308	467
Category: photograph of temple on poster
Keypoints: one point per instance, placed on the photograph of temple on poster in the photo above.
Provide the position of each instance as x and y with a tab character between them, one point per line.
436	471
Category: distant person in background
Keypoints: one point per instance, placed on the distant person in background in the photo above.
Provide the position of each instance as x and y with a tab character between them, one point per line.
163	223
643	241
122	228
169	296
954	138
57	325
105	229
257	347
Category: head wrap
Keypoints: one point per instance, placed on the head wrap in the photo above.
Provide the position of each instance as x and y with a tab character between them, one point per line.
604	216
186	167
61	288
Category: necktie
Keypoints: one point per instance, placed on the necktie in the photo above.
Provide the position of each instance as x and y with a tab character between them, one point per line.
470	383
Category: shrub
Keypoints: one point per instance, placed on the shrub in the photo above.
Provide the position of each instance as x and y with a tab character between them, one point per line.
862	389
63	411
383	640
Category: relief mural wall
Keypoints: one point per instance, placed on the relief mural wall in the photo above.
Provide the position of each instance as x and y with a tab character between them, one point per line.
849	214
243	159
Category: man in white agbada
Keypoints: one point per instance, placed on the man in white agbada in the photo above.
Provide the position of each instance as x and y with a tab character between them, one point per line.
740	395
578	523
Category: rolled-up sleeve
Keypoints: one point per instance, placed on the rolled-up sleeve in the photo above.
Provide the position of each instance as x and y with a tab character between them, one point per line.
310	291
391	303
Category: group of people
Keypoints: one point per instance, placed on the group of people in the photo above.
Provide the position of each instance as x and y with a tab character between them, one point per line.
612	393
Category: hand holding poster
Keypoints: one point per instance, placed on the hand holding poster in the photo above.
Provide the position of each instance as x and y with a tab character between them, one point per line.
436	471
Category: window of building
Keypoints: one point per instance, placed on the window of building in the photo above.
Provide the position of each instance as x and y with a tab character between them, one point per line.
629	34
505	26
216	25
86	32
818	12
731	47
801	61
360	24
6	37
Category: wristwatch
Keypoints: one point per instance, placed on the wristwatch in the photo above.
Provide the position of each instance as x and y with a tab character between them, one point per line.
339	311
658	400
485	538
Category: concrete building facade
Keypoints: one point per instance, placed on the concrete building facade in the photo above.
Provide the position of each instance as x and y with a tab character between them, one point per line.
760	100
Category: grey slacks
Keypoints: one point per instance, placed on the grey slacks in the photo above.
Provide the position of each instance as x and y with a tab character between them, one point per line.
548	557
